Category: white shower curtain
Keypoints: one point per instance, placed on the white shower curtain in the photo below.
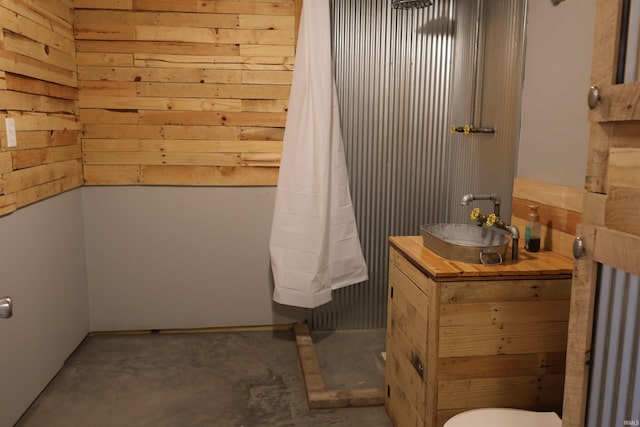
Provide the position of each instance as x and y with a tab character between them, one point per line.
314	241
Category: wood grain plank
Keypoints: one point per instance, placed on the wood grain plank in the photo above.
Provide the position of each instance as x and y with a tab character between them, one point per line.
550	194
176	19
35	121
19	24
511	290
104	88
19	101
212	35
520	391
153	60
160	158
45	138
583	290
22	159
623	168
266	22
504	312
7	204
472	340
150	47
260	159
211	118
24	179
6	164
167	75
598	157
209	175
503	365
552	217
39	87
162	132
109	145
14	42
625	135
21	64
617	249
112	175
226	91
259	8
622	211
159	103
266	50
103	4
214	146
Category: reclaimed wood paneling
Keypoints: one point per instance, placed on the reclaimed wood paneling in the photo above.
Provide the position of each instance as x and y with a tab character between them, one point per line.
184	92
559	207
39	90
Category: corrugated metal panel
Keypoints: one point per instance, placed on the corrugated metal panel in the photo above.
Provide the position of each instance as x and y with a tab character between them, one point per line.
485	163
394	73
614	387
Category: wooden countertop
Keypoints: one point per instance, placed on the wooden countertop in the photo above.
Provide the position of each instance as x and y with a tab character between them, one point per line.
534	264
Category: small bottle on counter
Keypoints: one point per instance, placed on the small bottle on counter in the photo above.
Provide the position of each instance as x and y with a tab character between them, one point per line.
532	231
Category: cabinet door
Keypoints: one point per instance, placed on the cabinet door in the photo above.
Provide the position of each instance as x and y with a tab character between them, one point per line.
406	369
610	229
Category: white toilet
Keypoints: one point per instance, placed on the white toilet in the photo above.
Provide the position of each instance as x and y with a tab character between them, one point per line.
504	417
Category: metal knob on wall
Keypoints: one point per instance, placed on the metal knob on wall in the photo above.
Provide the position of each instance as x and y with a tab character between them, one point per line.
594	97
578	247
6	307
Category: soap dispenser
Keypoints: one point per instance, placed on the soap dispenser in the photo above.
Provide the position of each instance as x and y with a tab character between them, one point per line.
532	231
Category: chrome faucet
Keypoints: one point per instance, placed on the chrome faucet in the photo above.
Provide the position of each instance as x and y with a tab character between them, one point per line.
467	198
496	221
515	235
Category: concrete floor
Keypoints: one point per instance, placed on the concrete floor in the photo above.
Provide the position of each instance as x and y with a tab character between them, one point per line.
351	358
207	379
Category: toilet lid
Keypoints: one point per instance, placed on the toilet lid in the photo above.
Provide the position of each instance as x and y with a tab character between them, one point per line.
504	417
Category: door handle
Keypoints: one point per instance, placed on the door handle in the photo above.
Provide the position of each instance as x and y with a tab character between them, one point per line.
594	97
578	247
6	307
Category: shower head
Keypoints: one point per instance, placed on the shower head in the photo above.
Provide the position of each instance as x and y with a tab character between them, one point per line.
410	4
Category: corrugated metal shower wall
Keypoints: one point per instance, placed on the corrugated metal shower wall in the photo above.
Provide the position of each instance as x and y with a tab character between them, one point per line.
485	163
394	73
614	388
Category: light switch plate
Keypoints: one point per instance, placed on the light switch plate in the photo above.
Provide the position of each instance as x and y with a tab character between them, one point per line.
10	124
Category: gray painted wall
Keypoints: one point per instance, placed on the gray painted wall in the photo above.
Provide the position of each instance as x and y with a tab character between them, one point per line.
180	257
42	261
555	131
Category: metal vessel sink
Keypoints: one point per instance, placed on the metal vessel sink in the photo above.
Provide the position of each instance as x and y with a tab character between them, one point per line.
466	242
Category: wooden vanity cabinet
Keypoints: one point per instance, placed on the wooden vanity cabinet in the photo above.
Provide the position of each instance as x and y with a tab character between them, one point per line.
478	338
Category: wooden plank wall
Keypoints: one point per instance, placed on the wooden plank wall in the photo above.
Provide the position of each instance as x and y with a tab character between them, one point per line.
38	88
560	209
184	92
